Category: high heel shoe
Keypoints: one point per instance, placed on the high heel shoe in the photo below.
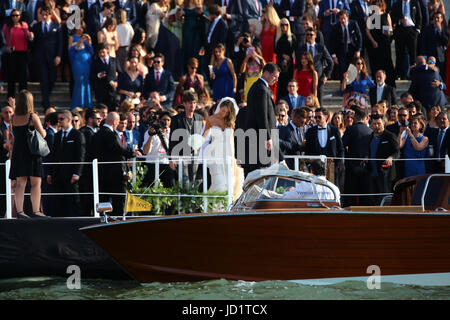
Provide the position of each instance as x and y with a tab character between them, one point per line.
35	215
21	215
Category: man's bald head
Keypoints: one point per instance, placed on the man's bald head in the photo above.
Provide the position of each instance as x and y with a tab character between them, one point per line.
112	119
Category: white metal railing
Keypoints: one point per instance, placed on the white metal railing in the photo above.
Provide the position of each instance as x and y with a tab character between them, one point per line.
180	159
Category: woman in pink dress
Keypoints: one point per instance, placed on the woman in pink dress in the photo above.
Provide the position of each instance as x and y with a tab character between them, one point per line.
306	76
270	23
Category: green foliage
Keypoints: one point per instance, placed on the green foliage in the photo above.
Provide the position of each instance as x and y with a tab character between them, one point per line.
167	201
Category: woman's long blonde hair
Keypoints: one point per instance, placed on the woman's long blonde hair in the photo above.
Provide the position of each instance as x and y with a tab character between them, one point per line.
279	33
271	16
230	119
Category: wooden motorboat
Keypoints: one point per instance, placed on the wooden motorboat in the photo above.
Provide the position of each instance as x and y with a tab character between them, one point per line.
270	235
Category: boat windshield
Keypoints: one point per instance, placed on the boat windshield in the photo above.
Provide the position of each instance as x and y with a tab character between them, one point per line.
283	188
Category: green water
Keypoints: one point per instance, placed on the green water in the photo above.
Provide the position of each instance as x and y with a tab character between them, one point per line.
56	289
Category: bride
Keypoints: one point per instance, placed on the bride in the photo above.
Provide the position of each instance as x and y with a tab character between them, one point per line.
219	147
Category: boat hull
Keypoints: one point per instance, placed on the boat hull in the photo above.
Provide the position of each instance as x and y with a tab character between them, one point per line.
277	245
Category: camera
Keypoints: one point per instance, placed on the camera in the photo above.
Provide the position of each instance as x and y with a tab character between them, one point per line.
152	122
403	123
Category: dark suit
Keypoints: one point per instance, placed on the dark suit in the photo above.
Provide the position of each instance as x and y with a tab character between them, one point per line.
345	51
382	182
260	116
180	131
104	92
388	95
48	202
435	43
328	22
218	35
422	90
165	87
356	142
406	37
31	12
290	142
438	148
322	63
333	148
72	148
46	47
359	14
107	147
87	200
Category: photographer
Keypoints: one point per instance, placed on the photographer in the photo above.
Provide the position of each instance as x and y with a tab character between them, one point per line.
240	52
156	142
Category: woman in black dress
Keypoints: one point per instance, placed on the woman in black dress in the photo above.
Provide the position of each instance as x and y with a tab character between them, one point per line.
285	45
23	164
380	44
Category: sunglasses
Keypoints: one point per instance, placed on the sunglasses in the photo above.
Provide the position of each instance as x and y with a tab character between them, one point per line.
402	115
282	115
309	34
61	119
75	120
157	61
317	117
359	63
15	15
431	61
284	24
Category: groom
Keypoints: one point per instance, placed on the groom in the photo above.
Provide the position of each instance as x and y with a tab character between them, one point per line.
261	117
183	126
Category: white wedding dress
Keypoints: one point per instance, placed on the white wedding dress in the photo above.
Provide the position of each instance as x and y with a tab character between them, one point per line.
218	150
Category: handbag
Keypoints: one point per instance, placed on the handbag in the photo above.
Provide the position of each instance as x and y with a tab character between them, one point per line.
37	145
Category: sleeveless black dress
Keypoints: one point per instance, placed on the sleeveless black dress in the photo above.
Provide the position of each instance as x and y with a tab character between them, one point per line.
23	164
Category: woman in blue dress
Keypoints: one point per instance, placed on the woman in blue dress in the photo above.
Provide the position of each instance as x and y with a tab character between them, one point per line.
80	55
358	88
223	75
130	83
415	146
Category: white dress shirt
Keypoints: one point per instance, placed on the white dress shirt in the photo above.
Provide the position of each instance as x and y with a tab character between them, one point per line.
322	135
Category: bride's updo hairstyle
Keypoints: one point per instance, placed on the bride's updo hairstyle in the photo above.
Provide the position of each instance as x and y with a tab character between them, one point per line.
231	116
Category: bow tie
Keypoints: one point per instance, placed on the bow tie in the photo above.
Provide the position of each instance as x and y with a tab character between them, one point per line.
320	128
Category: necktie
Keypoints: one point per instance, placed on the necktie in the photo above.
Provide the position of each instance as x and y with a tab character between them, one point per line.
333	18
310	50
225	3
64	136
293	102
123	141
157	77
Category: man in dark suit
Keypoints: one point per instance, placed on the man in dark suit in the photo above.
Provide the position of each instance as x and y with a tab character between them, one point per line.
323	63
160	80
437	144
216	33
104	77
107	147
49	202
92	120
47	51
407	22
360	12
356	143
382	145
427	85
292	136
435	41
96	16
261	118
382	91
346	42
328	10
69	146
324	139
183	126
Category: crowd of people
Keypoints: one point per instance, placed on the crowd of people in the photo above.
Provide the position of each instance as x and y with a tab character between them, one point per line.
139	70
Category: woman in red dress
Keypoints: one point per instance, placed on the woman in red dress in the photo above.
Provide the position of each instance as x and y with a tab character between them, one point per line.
306	76
270	23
